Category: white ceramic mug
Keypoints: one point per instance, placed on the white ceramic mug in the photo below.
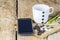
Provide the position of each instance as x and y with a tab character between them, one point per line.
41	12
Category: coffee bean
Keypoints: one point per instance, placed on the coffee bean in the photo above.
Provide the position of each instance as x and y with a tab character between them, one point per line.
42	22
43	12
43	19
42	15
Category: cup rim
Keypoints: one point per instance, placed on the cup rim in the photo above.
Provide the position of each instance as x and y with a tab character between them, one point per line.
41	5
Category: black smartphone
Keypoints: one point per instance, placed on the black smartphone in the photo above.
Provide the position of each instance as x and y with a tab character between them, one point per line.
25	26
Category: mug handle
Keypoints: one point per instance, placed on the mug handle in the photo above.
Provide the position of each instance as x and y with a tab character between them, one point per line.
51	10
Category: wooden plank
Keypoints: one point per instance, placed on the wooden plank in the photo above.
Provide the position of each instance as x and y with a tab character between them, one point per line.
25	11
54	36
51	31
7	19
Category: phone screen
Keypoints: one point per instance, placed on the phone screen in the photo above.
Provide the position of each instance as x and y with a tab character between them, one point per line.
25	26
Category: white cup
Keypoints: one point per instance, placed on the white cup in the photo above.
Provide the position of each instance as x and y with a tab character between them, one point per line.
41	12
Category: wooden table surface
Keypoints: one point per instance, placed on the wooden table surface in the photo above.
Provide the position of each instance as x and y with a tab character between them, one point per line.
44	35
8	15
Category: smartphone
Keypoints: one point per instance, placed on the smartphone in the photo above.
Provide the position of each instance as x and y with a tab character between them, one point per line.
25	26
